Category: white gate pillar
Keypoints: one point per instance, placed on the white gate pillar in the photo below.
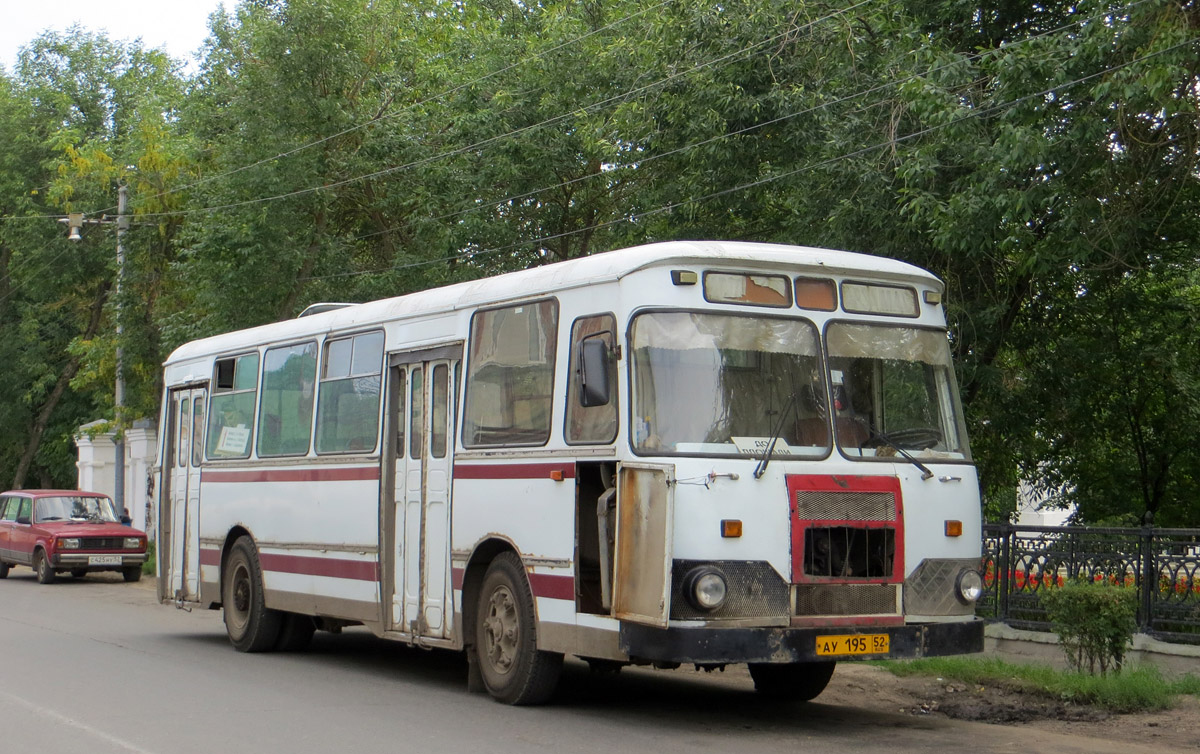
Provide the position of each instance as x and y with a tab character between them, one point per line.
97	467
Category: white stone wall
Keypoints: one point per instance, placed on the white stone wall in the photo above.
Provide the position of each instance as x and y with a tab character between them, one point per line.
97	468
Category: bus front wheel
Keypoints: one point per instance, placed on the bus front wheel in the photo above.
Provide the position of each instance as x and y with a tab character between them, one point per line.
251	626
513	669
799	681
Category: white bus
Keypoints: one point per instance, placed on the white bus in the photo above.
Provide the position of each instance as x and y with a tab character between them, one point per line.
696	452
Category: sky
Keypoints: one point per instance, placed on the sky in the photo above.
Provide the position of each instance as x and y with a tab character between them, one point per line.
178	25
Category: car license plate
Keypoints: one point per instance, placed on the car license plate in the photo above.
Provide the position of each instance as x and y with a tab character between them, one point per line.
853	644
98	560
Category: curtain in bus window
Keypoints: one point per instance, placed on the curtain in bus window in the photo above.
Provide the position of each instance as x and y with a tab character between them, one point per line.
288	391
510	378
348	396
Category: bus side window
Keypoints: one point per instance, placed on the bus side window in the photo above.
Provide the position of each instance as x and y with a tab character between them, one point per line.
348	398
235	386
595	423
510	375
285	418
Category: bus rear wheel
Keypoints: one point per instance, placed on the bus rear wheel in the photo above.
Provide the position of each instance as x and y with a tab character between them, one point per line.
251	626
513	669
798	681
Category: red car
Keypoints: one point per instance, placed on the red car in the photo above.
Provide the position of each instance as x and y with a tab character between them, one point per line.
57	531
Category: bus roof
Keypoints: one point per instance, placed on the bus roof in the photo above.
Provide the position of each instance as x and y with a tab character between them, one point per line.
537	281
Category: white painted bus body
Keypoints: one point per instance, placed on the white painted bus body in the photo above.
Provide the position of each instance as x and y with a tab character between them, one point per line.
332	545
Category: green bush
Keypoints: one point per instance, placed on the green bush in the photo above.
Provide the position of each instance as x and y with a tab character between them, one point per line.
149	567
1094	622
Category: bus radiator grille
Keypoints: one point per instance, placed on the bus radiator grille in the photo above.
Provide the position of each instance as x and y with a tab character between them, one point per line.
845	506
846	599
755	591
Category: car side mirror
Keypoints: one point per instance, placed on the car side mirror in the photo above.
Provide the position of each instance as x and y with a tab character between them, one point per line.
23	520
593	373
125	519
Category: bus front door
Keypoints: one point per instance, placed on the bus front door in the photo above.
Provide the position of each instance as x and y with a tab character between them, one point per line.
418	525
179	540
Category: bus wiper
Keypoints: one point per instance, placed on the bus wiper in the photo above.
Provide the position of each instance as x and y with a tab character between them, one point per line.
761	468
882	436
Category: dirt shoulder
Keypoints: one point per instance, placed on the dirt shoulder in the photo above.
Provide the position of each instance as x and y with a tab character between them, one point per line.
875	688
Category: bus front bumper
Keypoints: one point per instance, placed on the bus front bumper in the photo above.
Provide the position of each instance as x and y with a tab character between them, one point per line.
707	645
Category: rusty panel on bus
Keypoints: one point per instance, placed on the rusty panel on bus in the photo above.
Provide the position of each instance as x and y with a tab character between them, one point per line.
642	573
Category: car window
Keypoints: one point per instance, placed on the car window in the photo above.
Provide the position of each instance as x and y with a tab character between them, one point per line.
25	510
4	507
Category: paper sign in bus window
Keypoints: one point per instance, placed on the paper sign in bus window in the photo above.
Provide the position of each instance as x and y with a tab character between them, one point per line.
234	440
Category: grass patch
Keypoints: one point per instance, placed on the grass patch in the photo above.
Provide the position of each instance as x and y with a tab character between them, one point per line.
1139	689
148	567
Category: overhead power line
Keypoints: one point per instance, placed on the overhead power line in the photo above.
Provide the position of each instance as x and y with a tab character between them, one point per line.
635	217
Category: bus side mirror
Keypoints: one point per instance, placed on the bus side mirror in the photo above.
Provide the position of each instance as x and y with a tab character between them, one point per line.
593	373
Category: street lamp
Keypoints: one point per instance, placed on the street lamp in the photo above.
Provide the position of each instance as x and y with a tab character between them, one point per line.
75	221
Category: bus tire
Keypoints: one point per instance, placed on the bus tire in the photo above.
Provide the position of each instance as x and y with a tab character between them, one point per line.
513	669
296	633
797	681
41	565
251	626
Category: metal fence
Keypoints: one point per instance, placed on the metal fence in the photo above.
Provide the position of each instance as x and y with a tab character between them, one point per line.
1021	562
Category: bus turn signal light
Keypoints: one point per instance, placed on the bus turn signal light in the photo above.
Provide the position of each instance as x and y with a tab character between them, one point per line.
953	528
731	527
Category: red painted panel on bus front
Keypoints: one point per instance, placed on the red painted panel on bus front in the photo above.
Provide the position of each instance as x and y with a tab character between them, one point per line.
843	483
329	474
512	470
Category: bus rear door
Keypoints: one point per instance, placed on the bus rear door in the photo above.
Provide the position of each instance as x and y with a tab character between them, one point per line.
179	540
417	511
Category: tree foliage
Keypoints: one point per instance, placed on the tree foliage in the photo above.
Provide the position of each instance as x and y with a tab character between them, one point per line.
1039	157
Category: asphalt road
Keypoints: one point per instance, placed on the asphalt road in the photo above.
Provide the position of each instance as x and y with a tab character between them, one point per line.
97	666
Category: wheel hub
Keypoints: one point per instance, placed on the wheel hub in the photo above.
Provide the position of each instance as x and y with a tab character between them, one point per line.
501	630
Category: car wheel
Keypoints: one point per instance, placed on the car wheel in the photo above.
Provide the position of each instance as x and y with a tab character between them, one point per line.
296	633
132	574
251	626
41	564
78	573
800	681
513	669
4	570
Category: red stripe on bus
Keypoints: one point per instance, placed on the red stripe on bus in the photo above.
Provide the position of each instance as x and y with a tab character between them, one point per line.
340	474
553	587
210	556
359	570
513	470
543	584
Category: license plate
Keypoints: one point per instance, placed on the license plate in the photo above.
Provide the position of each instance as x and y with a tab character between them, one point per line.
98	560
853	644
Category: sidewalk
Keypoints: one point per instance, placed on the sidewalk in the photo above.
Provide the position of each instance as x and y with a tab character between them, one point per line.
1042	648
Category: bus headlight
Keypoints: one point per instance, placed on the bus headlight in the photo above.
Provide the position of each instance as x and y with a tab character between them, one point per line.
704	587
969	587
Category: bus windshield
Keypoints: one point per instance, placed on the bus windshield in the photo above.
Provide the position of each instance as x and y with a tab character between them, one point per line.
894	393
724	384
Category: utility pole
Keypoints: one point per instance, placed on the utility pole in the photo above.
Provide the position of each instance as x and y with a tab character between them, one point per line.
75	222
119	396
